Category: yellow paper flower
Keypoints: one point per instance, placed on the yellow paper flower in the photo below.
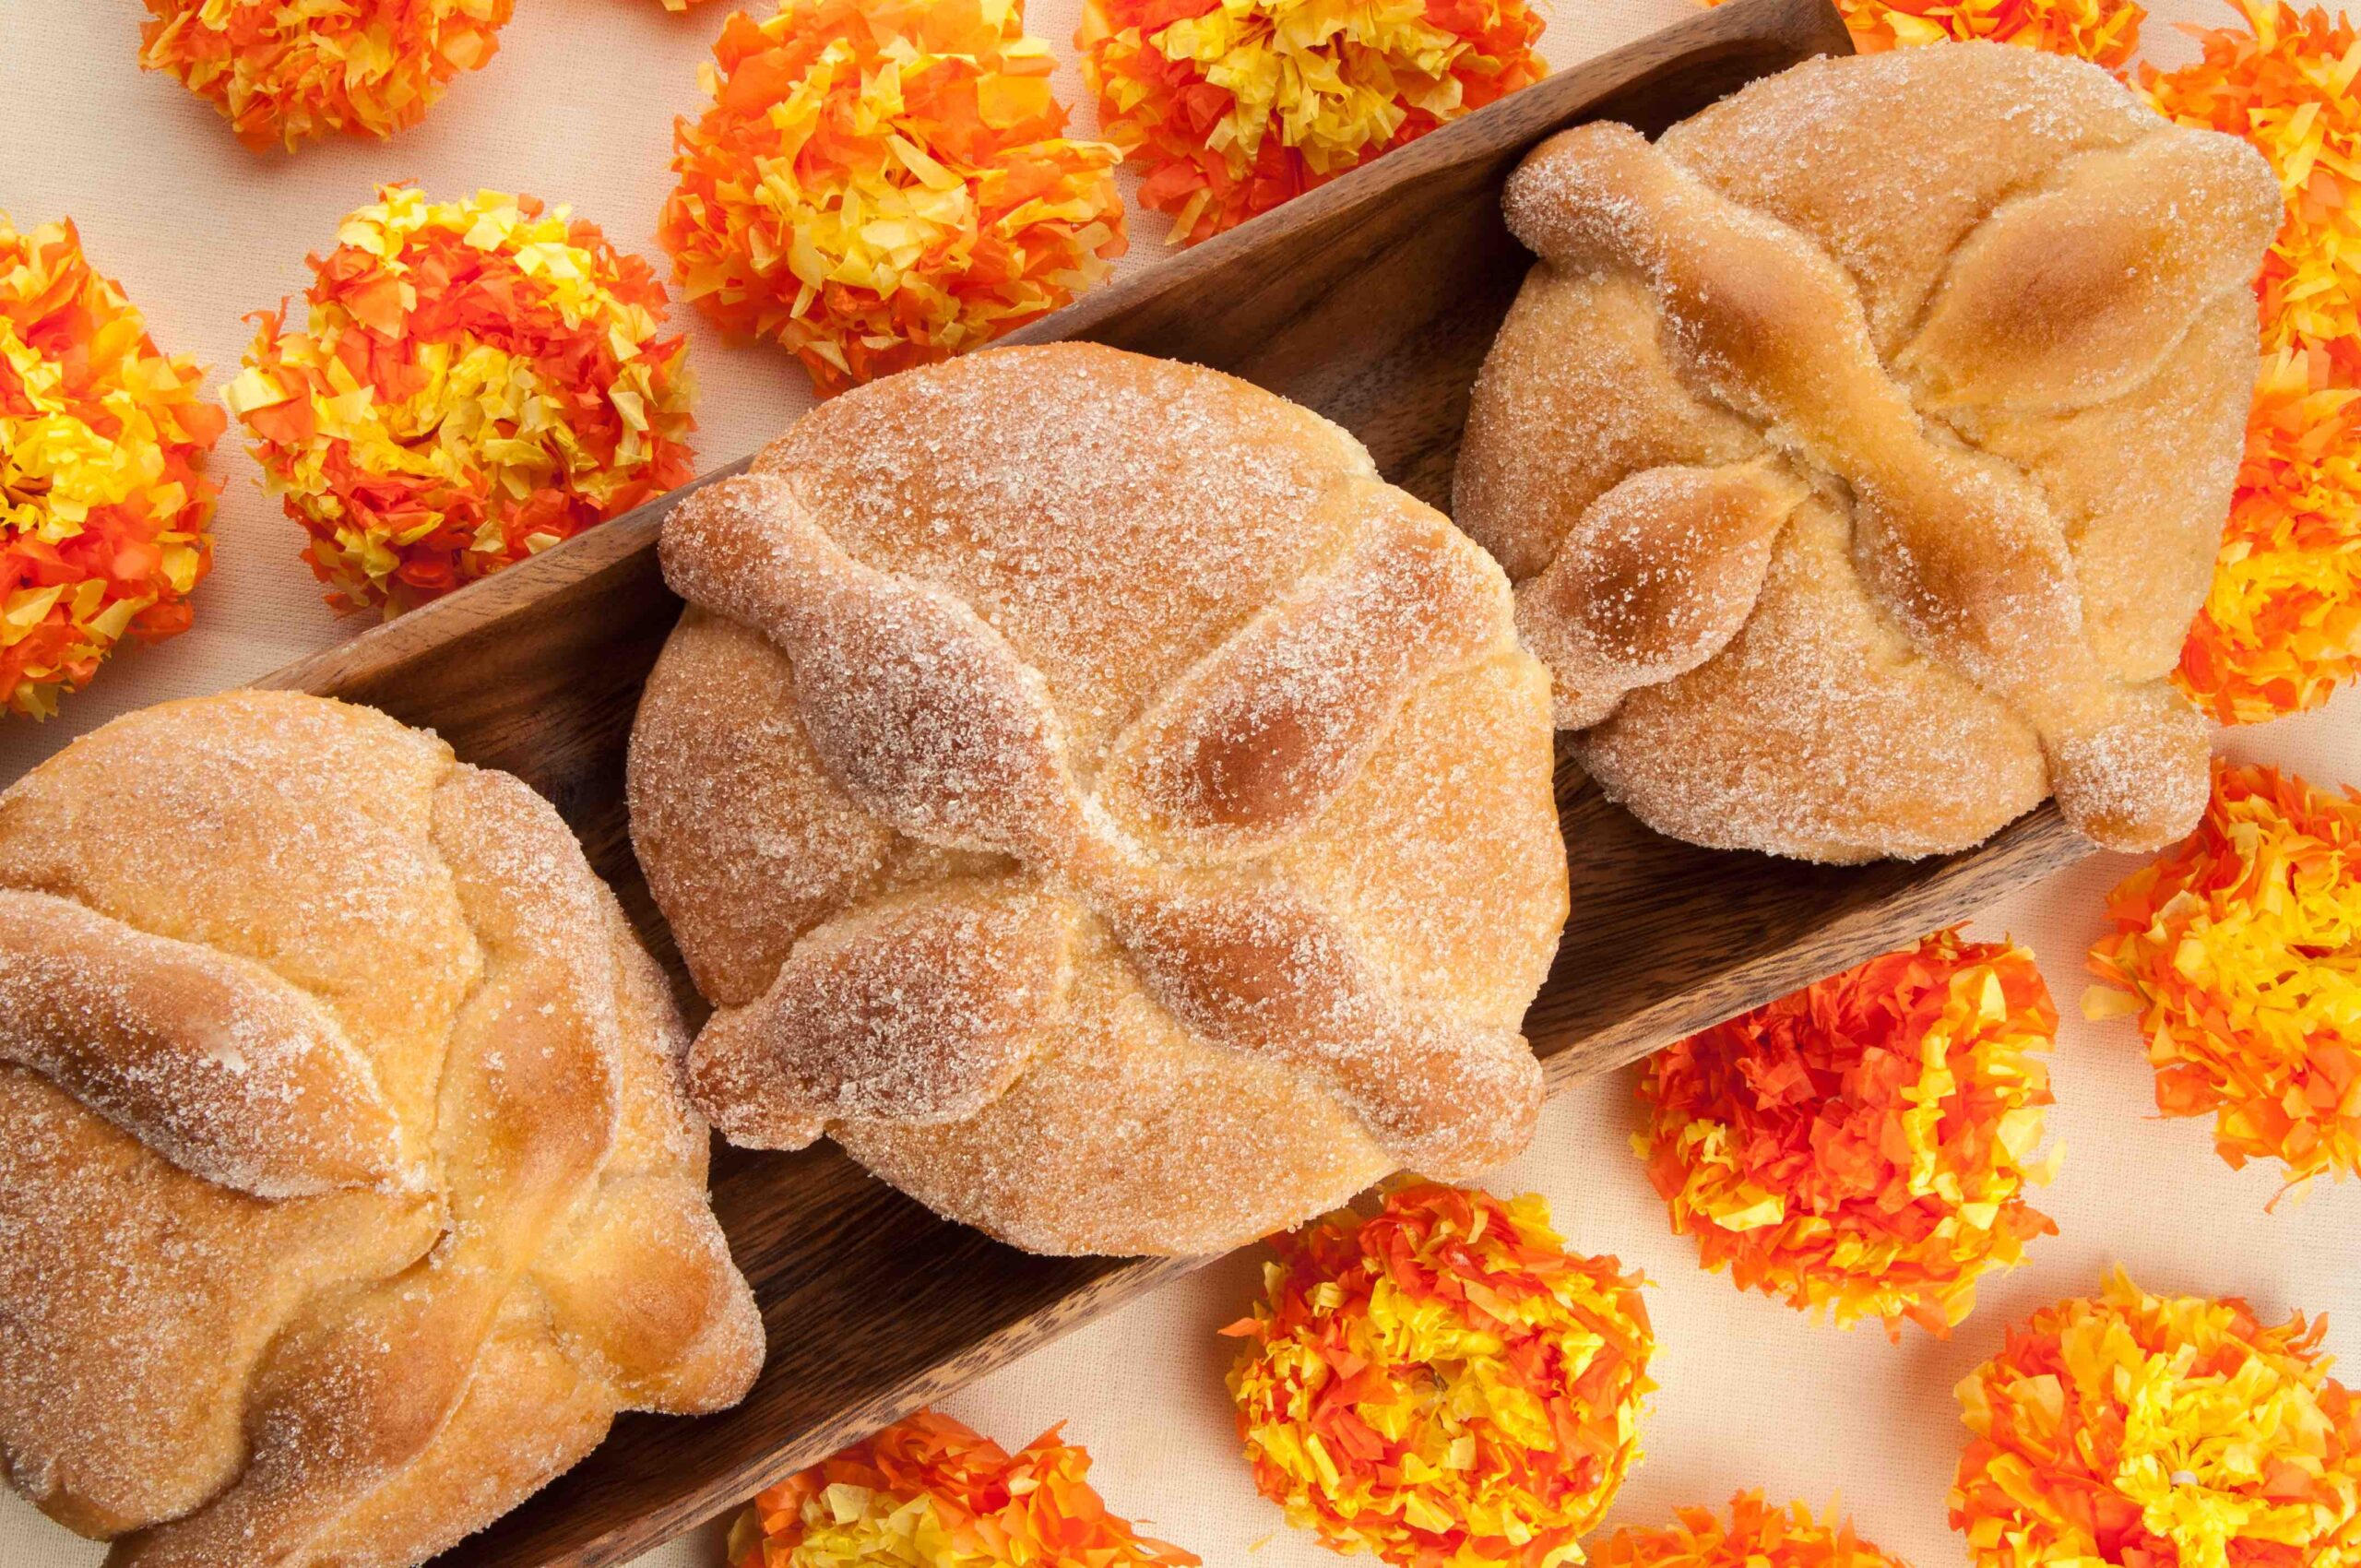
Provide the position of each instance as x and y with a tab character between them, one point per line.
1229	107
476	382
1865	1144
2240	952
2162	1432
102	512
882	184
292	71
1442	1384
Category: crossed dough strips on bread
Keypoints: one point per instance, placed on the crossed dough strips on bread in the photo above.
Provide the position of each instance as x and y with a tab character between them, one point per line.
1860	449
347	1190
1087	967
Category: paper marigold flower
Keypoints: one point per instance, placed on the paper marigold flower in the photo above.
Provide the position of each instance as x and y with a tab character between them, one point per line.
292	71
2240	952
882	184
2159	1432
1864	1145
1442	1383
1229	107
2284	81
102	512
476	381
1756	1537
2107	31
2282	627
927	1492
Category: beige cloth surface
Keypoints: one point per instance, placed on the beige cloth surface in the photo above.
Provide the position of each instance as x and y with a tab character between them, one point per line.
578	108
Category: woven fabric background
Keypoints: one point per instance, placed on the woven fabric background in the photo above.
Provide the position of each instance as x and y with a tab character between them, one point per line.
578	108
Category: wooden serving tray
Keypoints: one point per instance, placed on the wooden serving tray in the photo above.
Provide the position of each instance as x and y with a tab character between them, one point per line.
1372	299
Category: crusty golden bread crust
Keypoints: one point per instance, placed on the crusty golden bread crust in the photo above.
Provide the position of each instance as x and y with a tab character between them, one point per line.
1861	451
1094	798
347	1190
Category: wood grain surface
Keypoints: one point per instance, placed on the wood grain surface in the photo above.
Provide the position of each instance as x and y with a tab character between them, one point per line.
1372	299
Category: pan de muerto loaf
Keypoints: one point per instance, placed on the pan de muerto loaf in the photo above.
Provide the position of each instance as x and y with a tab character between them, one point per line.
1861	451
346	1188
1096	799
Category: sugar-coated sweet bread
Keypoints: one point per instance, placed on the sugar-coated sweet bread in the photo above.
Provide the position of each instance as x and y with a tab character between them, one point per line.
1860	449
347	1190
1095	797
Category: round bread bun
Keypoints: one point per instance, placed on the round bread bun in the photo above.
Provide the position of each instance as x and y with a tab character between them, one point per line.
1861	451
346	1188
1091	795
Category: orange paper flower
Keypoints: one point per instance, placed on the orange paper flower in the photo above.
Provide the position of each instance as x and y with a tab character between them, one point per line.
1863	1144
1228	109
2240	952
2154	1431
927	1492
1757	1536
292	71
882	184
2282	627
1442	1384
102	513
477	381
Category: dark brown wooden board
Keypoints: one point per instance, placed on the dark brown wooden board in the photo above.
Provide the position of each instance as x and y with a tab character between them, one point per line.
1372	299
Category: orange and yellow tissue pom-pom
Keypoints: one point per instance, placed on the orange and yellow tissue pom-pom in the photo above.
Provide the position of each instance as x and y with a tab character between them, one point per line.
102	507
2239	953
2280	630
472	383
882	184
1756	1536
2161	1432
1227	110
928	1492
285	72
1442	1383
1864	1145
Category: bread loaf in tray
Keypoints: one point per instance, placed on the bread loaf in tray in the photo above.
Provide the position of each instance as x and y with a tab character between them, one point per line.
1095	797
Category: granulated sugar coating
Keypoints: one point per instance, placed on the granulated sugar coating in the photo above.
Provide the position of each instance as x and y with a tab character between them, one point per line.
1965	335
348	1191
1170	844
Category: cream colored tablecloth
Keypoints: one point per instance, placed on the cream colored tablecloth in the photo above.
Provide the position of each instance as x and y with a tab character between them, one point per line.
579	107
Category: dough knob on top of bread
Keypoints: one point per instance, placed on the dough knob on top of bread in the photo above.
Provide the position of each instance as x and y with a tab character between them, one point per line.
1092	796
1861	448
347	1192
